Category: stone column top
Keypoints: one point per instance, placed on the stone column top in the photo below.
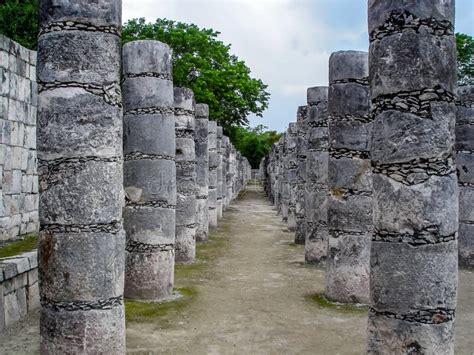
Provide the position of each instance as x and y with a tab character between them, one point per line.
147	58
220	132
104	13
184	99
317	94
383	12
202	111
212	127
345	65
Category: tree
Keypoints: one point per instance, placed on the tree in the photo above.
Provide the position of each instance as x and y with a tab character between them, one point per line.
204	64
18	21
253	143
465	50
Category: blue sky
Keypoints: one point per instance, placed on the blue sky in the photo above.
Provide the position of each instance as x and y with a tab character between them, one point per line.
286	43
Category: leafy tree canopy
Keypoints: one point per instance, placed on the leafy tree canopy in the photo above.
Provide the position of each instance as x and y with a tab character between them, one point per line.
204	64
18	21
465	49
253	143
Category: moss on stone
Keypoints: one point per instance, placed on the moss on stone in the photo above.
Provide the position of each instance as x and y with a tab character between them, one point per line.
26	244
323	302
138	311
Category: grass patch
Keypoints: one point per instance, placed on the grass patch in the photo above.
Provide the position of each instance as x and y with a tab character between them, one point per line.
323	302
28	243
139	311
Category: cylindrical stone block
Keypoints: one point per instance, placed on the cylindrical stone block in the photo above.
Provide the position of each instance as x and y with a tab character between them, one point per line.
80	164
414	249
201	141
213	166
291	171
301	155
225	169
349	179
465	172
316	186
220	169
149	170
186	205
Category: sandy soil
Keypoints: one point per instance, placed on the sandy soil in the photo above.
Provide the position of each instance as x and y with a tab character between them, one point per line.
250	296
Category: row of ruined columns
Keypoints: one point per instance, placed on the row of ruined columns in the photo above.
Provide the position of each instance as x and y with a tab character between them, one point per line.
132	173
368	175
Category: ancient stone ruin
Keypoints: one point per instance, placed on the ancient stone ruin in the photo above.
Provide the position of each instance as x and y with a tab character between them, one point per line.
149	170
123	175
349	205
80	168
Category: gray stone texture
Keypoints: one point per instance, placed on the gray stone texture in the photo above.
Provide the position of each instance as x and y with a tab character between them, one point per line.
149	170
220	171
202	171
349	205
291	171
301	153
415	189
18	168
316	186
185	175
80	164
18	288
465	171
213	167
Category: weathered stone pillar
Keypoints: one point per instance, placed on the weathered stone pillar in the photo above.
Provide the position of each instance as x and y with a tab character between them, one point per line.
202	172
301	147
414	249
80	163
316	188
292	169
184	111
229	175
465	169
220	169
285	186
213	165
225	168
349	179
149	170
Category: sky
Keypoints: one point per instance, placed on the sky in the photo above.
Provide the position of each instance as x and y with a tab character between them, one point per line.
285	43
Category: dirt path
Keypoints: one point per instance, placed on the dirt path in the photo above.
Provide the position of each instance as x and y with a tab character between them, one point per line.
248	294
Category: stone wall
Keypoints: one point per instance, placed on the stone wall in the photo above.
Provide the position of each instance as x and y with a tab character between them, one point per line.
19	293
18	172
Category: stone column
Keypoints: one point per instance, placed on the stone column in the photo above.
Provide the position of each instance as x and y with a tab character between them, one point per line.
201	140
414	249
349	179
285	186
301	146
292	169
229	174
149	170
213	165
465	170
316	188
220	169
80	163
225	167
186	206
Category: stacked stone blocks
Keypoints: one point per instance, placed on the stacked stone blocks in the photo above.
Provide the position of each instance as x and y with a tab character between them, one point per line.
18	168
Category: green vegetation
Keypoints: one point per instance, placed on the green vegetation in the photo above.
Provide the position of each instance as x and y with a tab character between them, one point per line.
140	311
28	243
204	64
18	21
465	49
253	143
323	302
